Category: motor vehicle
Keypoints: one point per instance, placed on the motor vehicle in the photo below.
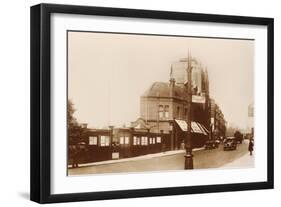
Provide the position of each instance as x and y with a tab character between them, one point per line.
230	144
210	144
217	142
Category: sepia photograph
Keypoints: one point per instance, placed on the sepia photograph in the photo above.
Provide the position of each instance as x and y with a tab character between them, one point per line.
151	103
133	103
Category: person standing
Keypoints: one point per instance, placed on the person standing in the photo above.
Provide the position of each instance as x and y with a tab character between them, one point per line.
74	155
182	145
251	146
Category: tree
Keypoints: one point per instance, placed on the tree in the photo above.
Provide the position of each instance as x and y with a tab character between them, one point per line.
71	120
74	130
238	136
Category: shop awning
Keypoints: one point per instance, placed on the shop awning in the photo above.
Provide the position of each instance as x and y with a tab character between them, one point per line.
195	127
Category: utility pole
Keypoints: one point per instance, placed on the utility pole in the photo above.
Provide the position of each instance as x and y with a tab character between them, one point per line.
188	146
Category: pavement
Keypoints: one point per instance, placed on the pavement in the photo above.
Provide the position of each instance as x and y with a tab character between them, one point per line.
142	157
171	160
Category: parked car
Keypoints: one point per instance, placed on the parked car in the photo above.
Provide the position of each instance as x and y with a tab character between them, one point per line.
217	142
230	144
210	144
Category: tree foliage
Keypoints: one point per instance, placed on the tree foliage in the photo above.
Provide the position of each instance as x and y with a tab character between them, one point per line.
74	130
238	134
71	120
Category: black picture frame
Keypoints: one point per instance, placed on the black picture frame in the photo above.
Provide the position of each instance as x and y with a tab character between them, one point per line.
40	176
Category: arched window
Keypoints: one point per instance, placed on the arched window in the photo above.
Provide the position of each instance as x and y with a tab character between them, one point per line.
161	111
167	111
178	112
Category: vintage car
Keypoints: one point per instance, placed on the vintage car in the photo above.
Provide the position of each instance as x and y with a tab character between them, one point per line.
217	141
210	144
230	143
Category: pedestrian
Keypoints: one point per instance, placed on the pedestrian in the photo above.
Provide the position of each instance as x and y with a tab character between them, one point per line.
74	153
251	146
182	145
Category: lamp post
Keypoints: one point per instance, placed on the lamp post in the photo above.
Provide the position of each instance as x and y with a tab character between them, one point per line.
188	146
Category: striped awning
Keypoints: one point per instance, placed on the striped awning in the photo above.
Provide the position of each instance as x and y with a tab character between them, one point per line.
195	127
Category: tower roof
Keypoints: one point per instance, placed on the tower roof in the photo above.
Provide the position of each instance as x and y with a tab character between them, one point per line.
162	89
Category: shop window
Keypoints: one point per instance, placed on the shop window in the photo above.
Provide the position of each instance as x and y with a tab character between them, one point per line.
93	140
127	139
144	141
124	140
135	140
158	139
104	141
121	140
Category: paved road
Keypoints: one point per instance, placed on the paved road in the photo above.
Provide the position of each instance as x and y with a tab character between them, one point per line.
202	159
217	158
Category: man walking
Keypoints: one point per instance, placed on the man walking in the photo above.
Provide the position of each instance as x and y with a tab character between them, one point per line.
251	146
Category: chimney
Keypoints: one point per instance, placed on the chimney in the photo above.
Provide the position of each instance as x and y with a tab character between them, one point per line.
172	87
172	83
84	125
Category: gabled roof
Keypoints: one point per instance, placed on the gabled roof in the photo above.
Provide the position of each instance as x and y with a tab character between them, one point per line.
139	124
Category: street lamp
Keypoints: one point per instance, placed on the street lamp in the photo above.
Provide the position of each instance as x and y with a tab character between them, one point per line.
188	147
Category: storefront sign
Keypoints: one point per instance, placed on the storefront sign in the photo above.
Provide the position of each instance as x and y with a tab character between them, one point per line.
198	99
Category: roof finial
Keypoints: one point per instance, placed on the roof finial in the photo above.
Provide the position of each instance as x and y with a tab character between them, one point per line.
171	72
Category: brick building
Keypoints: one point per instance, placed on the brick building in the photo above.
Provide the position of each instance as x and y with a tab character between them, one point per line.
218	123
165	102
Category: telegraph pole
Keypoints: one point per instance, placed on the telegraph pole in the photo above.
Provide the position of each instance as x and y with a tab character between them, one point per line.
188	146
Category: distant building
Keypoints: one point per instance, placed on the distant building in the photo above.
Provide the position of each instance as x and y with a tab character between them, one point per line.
218	123
251	118
179	73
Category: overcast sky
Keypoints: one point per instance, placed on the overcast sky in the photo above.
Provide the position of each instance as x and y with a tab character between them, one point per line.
107	73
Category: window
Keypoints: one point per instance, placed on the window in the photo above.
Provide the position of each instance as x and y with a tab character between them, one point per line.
158	139
93	140
161	111
124	140
152	140
127	140
185	113
178	112
121	140
104	141
144	141
167	111
136	140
